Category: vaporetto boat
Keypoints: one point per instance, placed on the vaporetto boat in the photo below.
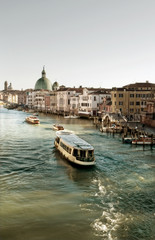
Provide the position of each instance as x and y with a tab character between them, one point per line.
32	120
74	149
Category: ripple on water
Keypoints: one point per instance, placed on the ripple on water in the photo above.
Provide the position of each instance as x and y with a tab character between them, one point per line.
40	191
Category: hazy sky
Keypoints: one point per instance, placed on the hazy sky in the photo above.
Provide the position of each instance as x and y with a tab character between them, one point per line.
93	43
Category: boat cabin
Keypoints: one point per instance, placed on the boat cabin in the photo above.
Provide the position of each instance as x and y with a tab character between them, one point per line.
74	148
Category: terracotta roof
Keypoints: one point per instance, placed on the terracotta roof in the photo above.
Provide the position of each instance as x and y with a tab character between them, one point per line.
99	92
80	90
140	84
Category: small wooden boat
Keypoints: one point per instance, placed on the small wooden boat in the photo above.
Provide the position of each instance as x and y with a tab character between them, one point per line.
57	127
74	149
32	120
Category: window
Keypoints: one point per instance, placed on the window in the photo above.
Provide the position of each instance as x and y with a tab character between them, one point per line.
138	95
115	95
68	101
85	98
131	95
121	95
73	106
131	110
143	103
137	103
75	152
120	103
61	101
82	154
94	98
131	103
85	104
66	148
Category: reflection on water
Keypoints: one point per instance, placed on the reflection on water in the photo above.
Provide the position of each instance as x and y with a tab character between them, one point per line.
43	197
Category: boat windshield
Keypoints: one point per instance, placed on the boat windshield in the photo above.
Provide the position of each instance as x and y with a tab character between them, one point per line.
84	155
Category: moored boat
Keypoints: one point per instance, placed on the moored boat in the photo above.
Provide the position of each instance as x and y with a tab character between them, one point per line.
57	127
74	149
128	139
143	140
32	120
71	116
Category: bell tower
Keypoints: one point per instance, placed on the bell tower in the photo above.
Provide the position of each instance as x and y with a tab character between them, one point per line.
5	85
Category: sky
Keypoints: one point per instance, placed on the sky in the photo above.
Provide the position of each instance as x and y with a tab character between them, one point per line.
92	43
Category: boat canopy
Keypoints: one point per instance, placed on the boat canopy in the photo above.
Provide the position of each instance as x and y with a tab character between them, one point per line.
73	140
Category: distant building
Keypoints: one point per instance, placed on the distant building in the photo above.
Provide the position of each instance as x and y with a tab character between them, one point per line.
10	87
6	87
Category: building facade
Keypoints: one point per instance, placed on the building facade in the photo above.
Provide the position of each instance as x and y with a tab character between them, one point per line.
131	100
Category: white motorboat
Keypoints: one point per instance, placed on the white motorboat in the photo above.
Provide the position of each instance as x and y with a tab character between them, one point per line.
57	127
74	149
32	120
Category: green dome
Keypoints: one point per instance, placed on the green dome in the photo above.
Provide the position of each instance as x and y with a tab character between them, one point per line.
43	83
55	86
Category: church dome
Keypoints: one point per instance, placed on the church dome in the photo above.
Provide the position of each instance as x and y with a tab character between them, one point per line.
43	83
55	86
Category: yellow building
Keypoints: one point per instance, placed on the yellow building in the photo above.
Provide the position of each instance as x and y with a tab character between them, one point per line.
131	99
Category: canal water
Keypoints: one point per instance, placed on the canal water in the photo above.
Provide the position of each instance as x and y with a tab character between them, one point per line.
43	197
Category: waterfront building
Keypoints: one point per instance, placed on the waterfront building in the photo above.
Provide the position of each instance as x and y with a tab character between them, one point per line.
39	100
10	97
131	99
22	97
30	96
148	117
53	102
105	106
74	101
74	104
90	101
64	96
